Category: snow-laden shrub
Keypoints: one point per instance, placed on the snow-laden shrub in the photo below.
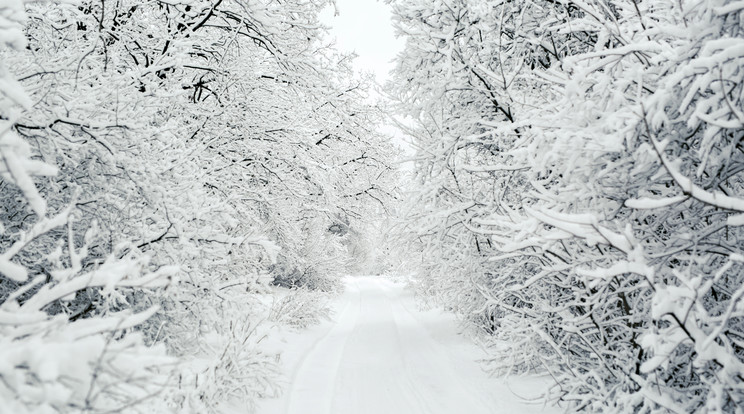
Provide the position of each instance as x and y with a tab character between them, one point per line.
66	363
300	308
226	367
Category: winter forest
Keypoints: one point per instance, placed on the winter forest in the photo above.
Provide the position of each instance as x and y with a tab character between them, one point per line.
183	180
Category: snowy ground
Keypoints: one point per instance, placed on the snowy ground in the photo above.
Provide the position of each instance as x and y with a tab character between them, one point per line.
380	355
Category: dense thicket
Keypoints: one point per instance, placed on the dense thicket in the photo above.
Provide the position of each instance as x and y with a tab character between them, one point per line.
161	161
579	190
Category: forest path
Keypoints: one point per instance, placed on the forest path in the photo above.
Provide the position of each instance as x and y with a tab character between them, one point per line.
382	356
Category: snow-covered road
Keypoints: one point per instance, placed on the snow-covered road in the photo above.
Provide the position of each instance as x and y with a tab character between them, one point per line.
382	356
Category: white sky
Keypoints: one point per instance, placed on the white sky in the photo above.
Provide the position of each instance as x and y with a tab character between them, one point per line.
365	27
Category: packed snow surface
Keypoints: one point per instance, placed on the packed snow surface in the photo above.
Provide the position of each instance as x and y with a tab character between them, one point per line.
381	354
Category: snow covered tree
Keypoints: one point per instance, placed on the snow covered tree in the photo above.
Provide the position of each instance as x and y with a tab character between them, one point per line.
656	190
475	76
54	360
597	238
221	137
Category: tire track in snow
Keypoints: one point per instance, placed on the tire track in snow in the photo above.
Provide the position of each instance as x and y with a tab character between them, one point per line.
314	381
383	357
373	378
431	365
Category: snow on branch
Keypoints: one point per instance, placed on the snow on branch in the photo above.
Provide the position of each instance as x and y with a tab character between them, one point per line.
690	189
647	203
17	272
585	226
